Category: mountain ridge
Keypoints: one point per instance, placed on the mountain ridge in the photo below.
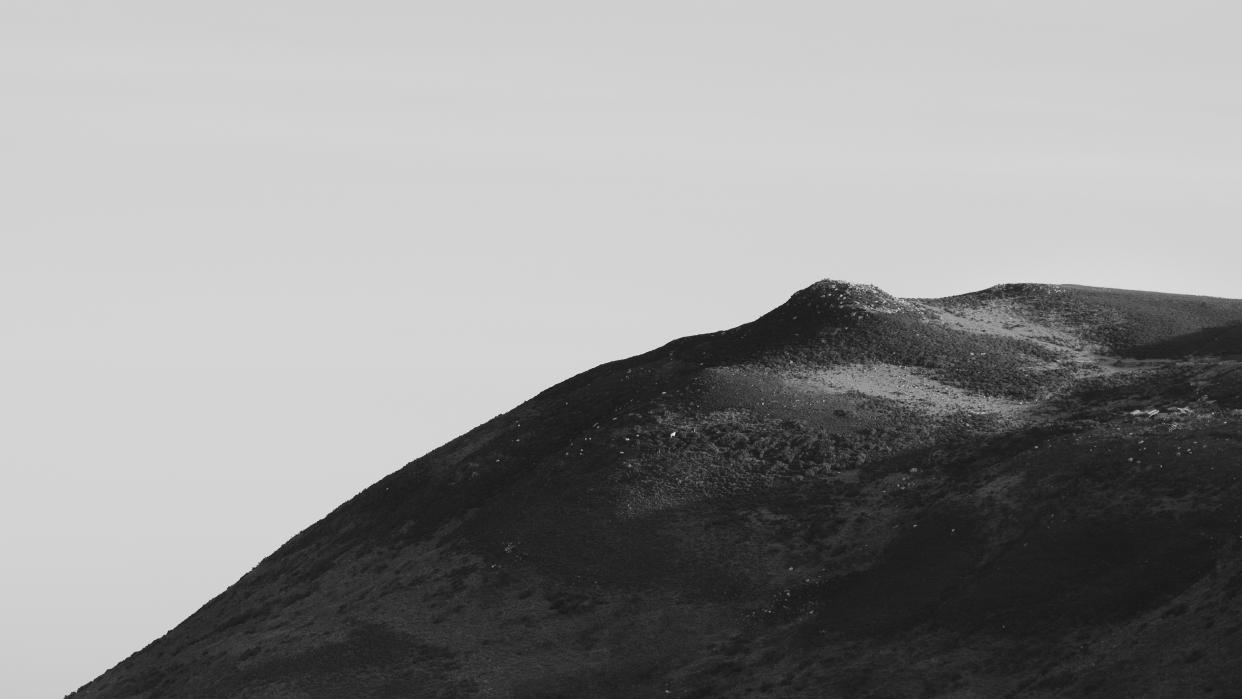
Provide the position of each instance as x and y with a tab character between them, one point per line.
732	512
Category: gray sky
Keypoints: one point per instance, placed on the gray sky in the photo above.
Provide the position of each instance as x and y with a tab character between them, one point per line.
258	254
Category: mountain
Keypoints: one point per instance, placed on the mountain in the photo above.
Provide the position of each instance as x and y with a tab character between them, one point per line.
1031	490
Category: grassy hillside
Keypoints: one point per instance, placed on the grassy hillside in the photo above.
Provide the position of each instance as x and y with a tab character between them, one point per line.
1027	491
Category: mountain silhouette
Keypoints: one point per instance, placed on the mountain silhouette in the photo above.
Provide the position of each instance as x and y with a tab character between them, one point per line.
1030	490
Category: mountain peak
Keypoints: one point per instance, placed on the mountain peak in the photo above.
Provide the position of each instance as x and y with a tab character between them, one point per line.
835	295
1021	289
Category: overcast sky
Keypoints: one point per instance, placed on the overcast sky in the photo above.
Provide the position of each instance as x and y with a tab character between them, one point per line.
258	254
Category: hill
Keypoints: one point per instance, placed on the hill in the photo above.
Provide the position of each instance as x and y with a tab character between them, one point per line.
1031	490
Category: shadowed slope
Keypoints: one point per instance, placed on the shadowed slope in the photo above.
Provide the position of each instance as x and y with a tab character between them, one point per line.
1220	341
852	494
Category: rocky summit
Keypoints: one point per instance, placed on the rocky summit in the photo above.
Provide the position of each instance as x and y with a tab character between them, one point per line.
1028	491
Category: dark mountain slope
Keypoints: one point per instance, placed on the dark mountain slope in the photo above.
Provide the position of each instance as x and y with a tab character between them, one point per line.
853	495
1219	341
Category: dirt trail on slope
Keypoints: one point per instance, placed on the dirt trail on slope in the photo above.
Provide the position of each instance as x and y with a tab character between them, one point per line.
913	387
1002	319
918	388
